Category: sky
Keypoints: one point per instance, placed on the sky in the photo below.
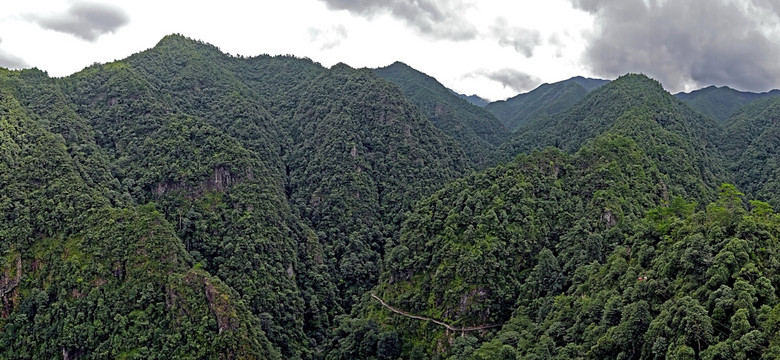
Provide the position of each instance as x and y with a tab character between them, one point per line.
492	48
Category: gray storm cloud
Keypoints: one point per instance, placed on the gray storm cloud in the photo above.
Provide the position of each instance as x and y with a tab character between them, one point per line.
87	21
687	43
521	39
10	61
440	19
511	78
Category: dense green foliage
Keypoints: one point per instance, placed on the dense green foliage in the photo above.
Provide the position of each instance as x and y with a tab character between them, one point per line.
360	162
280	177
220	182
474	250
685	285
476	130
751	141
592	254
564	254
185	203
678	140
545	101
80	278
720	103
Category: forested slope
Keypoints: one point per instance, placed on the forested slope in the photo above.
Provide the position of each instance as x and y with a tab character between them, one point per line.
84	278
360	162
545	101
185	203
281	177
720	103
680	141
173	141
751	143
597	252
475	129
588	255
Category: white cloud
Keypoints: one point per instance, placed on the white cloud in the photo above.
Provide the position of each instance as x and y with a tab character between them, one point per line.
84	20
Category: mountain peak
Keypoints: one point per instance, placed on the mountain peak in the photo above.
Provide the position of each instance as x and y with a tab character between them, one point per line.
637	79
175	38
473	99
545	100
399	64
178	41
720	102
341	67
478	131
588	83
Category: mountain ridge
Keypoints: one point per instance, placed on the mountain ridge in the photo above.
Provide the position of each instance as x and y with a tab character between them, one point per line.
183	202
721	102
544	101
474	99
478	131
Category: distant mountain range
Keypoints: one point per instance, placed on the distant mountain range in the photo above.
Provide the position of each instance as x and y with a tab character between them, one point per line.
473	99
720	103
545	100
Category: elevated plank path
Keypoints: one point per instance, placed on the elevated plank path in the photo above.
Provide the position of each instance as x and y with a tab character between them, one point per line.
423	318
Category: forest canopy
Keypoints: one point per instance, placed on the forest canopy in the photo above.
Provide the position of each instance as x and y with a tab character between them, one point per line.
185	203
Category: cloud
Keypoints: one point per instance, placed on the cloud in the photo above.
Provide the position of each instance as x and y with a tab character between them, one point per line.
511	78
328	38
523	40
556	43
87	21
438	19
11	61
687	43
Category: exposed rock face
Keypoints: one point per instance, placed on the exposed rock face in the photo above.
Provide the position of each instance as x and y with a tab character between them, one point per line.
220	181
8	291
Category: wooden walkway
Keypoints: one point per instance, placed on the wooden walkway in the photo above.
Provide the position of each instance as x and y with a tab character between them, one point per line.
423	318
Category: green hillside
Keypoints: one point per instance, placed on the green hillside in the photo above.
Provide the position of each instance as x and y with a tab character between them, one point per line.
543	102
751	143
680	141
593	254
363	154
186	203
85	275
476	130
281	177
720	103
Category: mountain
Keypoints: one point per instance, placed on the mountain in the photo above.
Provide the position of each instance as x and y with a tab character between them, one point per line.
514	234
280	177
85	272
477	131
544	101
680	141
185	203
751	140
573	281
184	132
720	103
473	99
363	155
588	84
594	253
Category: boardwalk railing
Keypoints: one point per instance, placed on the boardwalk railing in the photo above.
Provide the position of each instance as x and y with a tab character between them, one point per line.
423	318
